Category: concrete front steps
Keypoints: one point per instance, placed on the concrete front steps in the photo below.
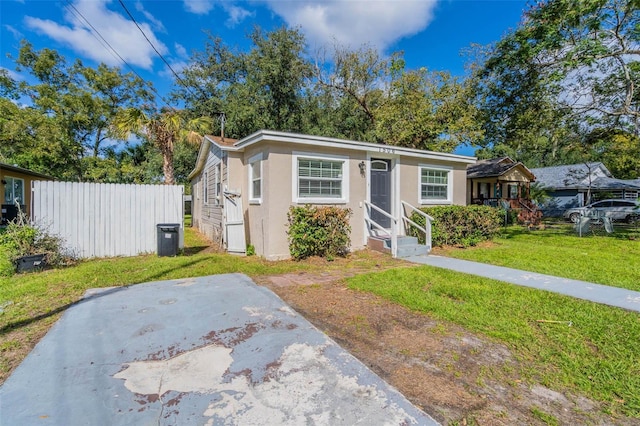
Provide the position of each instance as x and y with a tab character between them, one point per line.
407	246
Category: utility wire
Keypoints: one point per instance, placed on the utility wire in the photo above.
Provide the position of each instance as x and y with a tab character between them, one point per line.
182	82
111	49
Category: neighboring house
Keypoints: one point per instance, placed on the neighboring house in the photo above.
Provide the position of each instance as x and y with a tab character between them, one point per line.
491	182
15	185
571	186
242	189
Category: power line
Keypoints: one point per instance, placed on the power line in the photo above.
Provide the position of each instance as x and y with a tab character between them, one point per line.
111	49
182	82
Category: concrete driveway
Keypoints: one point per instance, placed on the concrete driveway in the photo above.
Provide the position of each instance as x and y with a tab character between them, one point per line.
215	350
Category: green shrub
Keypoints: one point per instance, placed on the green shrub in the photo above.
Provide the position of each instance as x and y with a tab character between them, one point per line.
318	231
460	225
21	238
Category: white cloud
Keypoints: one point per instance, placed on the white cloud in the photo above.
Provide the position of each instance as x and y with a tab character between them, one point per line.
157	24
17	34
121	33
12	74
352	23
202	7
176	66
199	7
236	14
181	50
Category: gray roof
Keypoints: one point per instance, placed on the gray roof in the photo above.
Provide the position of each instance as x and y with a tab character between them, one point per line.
612	183
494	167
575	176
16	169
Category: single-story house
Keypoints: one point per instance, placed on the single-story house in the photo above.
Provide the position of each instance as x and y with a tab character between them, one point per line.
242	189
570	185
497	180
15	184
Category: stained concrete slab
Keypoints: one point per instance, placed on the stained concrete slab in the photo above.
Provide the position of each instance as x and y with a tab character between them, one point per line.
215	350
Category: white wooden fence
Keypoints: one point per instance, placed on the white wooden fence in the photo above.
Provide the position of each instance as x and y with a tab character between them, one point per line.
103	220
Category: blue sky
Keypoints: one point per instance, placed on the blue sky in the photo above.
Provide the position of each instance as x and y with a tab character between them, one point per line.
432	33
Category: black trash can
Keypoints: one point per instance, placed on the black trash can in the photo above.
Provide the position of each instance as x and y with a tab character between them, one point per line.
168	238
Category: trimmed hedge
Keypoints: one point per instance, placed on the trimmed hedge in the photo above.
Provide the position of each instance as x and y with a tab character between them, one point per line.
318	231
460	225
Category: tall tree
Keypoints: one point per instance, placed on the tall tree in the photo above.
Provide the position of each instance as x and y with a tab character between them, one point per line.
262	88
392	105
78	101
164	129
427	110
358	79
570	68
36	141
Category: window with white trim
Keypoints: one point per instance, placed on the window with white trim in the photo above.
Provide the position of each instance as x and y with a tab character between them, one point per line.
320	179
13	190
205	188
217	183
435	185
255	179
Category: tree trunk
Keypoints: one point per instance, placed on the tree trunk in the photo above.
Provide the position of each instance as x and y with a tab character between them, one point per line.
167	167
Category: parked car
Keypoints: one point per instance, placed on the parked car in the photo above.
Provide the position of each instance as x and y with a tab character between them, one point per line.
627	210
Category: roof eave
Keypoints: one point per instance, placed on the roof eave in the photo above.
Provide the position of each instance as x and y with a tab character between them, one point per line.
24	171
275	136
202	158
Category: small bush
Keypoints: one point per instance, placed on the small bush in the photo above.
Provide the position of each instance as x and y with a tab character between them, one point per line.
21	238
460	225
318	231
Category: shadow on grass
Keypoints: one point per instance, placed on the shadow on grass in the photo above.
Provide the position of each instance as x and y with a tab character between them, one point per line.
99	293
22	323
190	251
549	231
621	230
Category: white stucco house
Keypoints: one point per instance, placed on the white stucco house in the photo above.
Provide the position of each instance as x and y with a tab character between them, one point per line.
242	189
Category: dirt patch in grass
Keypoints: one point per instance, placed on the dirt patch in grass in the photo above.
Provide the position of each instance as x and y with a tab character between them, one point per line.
456	376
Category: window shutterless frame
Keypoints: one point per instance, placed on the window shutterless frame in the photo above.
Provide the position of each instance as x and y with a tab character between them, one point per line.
320	178
13	190
255	179
205	188
435	184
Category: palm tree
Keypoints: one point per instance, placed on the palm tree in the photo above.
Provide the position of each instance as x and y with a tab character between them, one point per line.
164	129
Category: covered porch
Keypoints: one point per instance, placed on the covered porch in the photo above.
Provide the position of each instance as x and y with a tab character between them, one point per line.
502	182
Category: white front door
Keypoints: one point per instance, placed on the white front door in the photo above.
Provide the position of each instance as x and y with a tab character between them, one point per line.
234	222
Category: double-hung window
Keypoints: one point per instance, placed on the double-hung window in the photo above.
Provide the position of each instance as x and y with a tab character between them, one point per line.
217	183
435	185
255	179
205	188
14	190
320	179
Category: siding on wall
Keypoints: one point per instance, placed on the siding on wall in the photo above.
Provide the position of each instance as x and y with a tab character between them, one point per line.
99	220
208	218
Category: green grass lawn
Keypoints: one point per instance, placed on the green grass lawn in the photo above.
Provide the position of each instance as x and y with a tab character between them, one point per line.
598	355
604	259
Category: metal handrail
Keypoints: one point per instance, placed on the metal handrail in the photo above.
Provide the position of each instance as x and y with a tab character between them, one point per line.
394	226
427	222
